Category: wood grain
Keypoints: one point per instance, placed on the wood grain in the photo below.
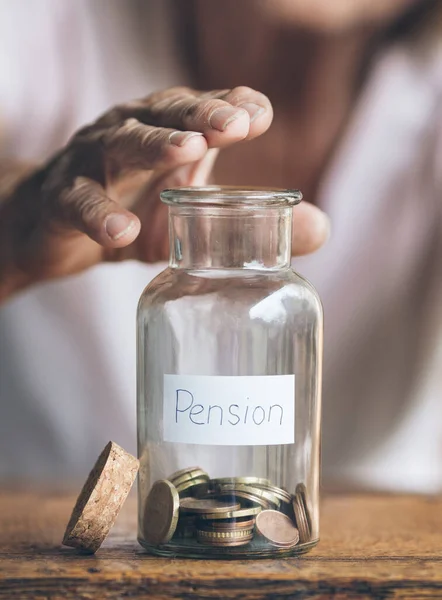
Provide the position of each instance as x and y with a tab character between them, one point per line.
382	547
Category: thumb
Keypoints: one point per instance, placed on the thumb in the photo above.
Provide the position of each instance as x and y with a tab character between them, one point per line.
86	207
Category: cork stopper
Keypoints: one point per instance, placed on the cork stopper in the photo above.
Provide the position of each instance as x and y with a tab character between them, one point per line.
101	499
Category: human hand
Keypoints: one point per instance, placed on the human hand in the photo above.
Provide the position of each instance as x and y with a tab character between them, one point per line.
90	202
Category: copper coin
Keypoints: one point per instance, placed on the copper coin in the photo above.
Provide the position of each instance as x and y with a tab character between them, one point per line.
161	512
301	491
277	528
301	519
204	505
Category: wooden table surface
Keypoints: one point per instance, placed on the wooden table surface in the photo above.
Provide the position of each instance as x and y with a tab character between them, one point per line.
380	547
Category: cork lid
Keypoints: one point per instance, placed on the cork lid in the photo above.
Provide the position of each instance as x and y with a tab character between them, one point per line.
101	499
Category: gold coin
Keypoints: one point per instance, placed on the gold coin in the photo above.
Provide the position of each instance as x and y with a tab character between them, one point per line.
161	512
281	494
227	525
257	492
234	514
207	505
182	472
225	538
224	535
196	474
277	529
187	485
241	480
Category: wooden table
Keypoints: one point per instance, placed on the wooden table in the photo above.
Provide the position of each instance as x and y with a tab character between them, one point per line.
372	547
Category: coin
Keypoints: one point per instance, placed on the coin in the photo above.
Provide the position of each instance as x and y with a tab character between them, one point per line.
242	495
301	519
241	480
224	535
277	529
195	474
301	490
234	514
182	472
203	505
161	512
225	538
281	494
226	525
256	492
191	483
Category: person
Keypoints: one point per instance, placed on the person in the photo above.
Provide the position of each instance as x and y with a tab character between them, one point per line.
354	91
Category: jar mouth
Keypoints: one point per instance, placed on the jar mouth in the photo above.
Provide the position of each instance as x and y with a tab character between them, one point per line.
230	196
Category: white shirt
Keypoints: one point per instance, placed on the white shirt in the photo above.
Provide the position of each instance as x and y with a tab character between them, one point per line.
67	348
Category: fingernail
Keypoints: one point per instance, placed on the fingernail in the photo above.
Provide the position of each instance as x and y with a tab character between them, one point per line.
179	138
118	225
254	110
221	117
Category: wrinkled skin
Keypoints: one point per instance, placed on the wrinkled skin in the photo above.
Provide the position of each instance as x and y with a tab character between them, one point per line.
91	201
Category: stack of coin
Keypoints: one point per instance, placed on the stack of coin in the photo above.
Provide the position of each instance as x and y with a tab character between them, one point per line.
226	512
192	481
221	522
302	516
226	532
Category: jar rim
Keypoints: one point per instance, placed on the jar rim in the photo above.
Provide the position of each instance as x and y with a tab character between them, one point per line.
230	196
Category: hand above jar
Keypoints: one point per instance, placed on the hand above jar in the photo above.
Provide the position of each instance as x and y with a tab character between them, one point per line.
98	198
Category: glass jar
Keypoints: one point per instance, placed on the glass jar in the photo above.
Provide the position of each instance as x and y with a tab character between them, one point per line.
229	383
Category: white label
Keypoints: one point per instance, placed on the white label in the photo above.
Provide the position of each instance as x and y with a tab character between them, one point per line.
229	411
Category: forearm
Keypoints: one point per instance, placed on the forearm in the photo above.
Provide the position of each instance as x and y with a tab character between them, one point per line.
13	177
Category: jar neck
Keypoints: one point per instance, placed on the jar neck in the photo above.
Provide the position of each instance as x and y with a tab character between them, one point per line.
230	238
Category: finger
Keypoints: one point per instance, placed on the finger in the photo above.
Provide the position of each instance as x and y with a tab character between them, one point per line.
220	122
255	103
134	146
86	207
223	116
311	229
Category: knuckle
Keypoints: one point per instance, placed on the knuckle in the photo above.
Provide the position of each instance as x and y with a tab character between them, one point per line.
242	90
111	117
134	143
167	94
83	199
201	110
243	93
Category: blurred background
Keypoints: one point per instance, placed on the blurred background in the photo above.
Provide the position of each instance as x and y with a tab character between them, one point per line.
357	94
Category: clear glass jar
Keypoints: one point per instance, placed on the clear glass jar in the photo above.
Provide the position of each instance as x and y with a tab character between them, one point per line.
229	383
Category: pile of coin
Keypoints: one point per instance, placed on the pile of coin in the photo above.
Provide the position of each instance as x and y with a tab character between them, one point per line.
190	507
